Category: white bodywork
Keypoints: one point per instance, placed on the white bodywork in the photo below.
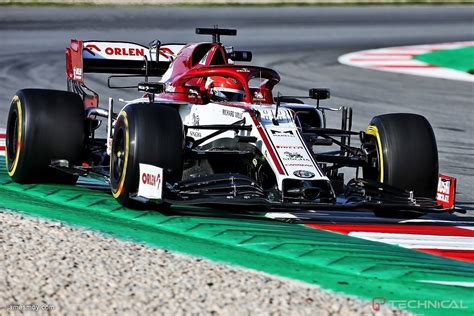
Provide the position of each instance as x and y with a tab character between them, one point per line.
282	145
150	184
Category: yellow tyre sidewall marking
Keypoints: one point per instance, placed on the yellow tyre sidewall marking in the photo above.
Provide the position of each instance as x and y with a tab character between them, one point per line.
117	193
12	170
373	131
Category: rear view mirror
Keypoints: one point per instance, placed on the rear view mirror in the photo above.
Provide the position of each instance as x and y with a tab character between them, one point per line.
319	93
240	55
151	87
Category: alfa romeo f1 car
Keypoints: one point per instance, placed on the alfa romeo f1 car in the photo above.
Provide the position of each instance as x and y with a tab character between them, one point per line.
211	132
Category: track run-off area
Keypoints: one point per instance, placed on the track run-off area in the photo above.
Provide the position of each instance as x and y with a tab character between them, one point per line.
415	60
427	260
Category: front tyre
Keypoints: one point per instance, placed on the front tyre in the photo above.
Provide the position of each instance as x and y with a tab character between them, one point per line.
402	153
145	133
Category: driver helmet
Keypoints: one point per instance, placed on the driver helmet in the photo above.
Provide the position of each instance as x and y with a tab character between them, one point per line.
225	89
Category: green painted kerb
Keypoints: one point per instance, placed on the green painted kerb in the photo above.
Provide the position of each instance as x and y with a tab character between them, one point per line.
460	59
333	261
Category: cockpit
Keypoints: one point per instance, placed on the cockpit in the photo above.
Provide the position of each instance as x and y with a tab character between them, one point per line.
204	72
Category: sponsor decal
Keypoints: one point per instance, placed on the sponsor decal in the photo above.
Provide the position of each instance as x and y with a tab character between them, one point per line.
303	174
289	147
445	195
268	115
151	182
288	133
293	155
118	51
443	190
167	53
195	134
122	51
378	301
298	165
243	70
258	96
92	47
195	119
151	179
194	122
77	73
232	113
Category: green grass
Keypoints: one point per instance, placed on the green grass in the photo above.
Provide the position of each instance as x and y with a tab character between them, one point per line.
460	59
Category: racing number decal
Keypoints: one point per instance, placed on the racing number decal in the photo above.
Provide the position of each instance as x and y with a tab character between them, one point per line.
116	193
12	168
372	130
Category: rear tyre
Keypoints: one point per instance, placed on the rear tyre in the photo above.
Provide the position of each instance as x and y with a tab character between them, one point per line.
402	153
43	125
145	133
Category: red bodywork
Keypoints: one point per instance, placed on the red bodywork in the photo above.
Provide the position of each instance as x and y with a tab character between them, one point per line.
74	65
190	69
446	194
75	70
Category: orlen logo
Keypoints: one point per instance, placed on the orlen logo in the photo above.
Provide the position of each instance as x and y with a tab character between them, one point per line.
166	53
151	179
92	47
118	51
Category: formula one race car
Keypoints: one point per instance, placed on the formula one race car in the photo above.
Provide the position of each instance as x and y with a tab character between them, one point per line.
213	133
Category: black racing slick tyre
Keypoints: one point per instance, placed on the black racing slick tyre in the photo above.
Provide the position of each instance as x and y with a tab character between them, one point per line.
149	134
404	154
44	125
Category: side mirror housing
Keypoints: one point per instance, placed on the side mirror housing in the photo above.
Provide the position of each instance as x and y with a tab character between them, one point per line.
151	87
240	55
319	93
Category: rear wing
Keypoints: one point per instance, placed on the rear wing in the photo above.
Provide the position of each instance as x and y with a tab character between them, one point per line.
114	58
118	58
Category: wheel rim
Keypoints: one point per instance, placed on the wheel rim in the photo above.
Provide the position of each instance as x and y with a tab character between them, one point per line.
12	139
372	171
118	158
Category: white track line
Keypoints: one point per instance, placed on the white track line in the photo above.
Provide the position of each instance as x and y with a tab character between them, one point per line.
277	215
418	241
399	60
451	283
2	141
411	221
